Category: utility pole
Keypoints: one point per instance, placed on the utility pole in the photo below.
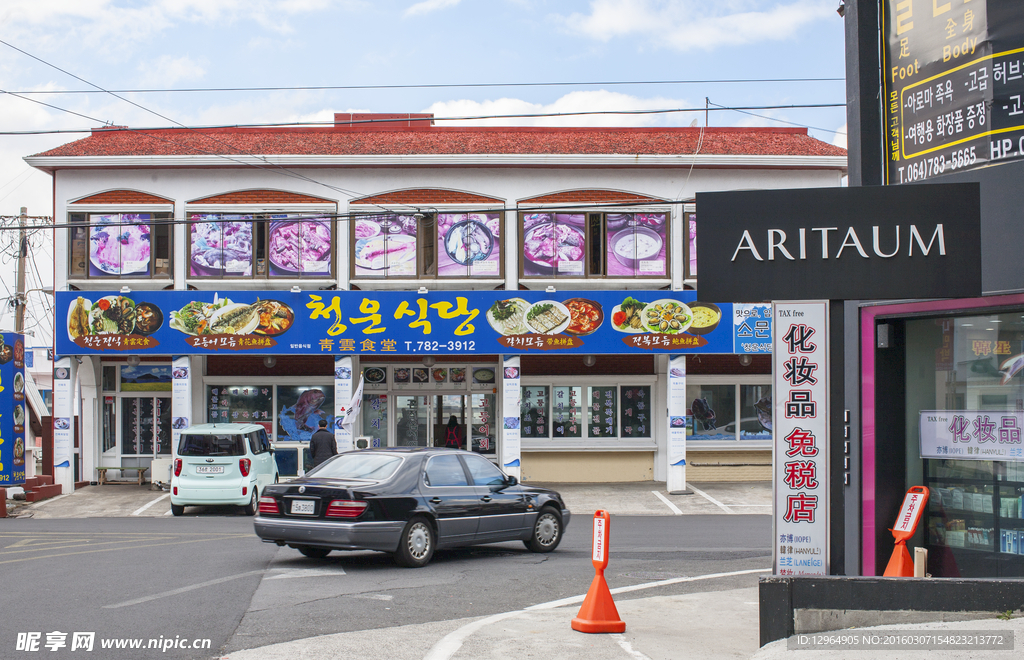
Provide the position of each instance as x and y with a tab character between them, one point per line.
19	315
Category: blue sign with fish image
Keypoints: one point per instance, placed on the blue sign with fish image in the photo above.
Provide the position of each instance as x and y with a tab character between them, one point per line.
300	409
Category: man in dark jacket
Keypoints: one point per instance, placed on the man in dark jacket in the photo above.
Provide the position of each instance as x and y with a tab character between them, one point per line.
322	445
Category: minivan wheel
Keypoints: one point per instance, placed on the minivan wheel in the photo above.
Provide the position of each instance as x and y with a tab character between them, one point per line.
178	509
416	546
254	504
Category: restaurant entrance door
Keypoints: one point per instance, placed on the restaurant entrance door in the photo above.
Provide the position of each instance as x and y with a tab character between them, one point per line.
423	420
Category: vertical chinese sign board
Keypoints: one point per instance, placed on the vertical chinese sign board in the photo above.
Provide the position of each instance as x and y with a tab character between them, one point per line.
800	387
13	413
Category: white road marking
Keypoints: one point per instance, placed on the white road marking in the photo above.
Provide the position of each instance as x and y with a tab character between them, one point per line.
711	499
664	499
305	573
142	508
452	642
621	640
168	512
182	590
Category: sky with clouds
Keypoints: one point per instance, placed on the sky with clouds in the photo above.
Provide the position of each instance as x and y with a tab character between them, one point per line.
176	44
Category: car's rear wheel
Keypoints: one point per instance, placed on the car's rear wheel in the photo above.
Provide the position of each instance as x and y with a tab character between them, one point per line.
416	546
253	505
547	531
314	553
178	509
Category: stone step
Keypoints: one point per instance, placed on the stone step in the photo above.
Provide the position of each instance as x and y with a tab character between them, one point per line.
42	492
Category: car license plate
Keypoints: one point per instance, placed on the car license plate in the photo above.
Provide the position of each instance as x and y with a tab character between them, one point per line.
210	469
303	506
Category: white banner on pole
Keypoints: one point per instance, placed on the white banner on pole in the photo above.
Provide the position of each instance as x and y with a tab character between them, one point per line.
342	403
800	436
181	398
63	412
677	424
511	443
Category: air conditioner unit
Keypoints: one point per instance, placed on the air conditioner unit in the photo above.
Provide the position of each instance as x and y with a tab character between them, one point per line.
160	472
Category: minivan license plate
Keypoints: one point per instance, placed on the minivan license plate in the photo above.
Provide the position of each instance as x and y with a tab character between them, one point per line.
210	469
300	506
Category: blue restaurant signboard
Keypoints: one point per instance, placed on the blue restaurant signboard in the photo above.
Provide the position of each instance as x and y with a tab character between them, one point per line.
407	323
13	413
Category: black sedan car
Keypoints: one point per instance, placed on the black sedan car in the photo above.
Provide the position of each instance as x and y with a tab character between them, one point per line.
408	501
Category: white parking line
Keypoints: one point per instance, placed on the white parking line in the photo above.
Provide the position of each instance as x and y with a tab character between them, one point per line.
181	590
711	499
621	640
452	642
664	499
142	508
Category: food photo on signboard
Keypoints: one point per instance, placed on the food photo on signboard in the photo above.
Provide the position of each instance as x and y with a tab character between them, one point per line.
300	410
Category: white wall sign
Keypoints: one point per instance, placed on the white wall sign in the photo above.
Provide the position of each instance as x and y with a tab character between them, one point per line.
800	436
181	398
342	399
63	412
677	424
511	443
972	435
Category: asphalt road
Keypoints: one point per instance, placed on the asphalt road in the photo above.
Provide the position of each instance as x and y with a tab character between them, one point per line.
210	578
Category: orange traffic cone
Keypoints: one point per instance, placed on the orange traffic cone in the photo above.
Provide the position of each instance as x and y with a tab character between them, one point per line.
900	563
598	613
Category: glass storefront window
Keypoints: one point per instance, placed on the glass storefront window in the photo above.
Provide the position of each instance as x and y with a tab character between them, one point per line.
130	245
755	412
249	404
712	411
565	245
221	245
970	365
267	245
300	409
601	412
375	419
483	426
469	245
146	378
636	412
567	412
533	422
385	246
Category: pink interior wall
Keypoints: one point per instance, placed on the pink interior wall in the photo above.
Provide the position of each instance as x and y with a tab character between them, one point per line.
869	525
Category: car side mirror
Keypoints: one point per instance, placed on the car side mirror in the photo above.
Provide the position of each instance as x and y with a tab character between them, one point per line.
511	481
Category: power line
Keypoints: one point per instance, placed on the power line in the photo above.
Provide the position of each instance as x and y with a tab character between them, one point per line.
272	166
314	88
781	121
536	115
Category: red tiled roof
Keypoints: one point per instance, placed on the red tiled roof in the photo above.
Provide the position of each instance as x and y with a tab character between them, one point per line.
445	140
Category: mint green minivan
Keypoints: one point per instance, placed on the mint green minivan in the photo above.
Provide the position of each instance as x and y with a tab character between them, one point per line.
217	464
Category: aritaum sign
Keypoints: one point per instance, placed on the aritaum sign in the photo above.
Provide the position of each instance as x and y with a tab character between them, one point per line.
840	243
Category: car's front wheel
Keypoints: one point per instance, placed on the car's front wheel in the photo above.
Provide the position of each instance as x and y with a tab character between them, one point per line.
253	505
416	546
547	531
314	553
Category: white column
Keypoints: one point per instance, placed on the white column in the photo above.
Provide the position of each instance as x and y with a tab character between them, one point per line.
511	442
179	251
677	424
63	422
90	441
511	250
